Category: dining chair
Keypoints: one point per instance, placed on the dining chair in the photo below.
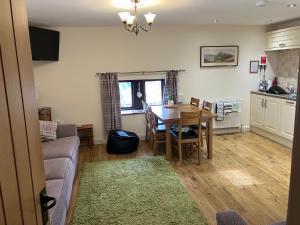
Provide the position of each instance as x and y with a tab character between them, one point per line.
195	101
158	131
185	135
148	122
207	106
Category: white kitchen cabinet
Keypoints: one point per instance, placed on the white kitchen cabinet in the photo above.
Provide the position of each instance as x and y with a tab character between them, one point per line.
274	116
288	38
257	110
265	113
288	110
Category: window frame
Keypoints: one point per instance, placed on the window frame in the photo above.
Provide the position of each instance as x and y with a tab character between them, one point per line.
136	105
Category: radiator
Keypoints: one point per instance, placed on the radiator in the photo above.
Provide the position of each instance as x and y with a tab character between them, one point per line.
232	118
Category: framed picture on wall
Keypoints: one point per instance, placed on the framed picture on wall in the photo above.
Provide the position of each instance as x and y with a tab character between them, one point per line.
254	66
216	56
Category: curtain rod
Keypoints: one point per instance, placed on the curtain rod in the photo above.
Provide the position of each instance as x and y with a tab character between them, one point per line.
142	72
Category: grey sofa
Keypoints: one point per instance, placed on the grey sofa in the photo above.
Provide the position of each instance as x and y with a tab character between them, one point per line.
233	218
60	161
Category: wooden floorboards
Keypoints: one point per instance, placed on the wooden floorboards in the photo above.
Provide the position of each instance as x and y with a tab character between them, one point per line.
248	173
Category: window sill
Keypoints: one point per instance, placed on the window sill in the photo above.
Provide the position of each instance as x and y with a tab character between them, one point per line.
132	112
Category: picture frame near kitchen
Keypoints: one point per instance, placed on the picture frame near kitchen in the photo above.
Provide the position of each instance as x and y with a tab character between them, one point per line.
219	56
254	66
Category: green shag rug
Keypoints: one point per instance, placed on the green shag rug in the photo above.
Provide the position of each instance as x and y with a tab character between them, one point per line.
142	191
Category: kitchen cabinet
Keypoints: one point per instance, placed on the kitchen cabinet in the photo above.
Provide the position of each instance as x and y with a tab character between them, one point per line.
273	115
283	39
265	112
288	110
257	110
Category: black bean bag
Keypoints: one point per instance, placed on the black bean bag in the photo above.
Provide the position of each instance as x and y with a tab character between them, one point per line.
122	142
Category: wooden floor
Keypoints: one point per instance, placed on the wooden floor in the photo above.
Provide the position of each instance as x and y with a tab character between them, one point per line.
248	173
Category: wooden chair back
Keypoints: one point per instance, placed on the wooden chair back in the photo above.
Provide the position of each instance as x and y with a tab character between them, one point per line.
148	115
195	101
189	119
207	106
152	118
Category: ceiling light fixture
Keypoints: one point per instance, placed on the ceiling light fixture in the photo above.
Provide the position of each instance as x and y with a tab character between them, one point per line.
261	3
131	21
292	5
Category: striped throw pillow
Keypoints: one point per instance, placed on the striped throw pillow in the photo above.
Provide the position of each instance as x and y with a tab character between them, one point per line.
48	130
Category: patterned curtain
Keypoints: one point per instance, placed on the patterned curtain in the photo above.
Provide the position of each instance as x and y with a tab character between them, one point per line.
110	96
170	92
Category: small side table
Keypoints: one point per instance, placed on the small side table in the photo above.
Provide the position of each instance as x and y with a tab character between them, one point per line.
85	133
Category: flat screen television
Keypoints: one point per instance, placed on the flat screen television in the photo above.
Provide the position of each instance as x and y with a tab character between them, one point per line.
44	44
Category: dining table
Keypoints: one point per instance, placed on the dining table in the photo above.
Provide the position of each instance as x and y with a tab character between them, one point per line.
170	115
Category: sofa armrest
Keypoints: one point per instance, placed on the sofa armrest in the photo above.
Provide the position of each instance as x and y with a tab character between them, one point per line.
229	218
66	130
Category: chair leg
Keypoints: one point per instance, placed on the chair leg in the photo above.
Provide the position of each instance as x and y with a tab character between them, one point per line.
206	137
201	142
199	154
180	153
147	134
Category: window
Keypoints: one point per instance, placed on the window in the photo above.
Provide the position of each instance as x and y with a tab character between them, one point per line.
125	94
133	92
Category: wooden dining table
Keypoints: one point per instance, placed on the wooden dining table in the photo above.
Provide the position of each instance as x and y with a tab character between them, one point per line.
170	115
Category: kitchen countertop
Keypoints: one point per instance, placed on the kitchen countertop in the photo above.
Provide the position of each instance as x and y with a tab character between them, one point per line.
286	97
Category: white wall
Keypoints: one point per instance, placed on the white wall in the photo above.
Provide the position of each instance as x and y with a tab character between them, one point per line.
70	87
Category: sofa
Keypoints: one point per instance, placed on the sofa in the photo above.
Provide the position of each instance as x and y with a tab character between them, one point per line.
234	218
60	161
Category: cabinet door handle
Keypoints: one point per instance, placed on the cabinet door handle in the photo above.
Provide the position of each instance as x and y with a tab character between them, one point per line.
262	103
282	45
265	103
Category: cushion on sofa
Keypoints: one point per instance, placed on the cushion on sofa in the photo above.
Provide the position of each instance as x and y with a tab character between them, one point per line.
56	168
48	130
61	148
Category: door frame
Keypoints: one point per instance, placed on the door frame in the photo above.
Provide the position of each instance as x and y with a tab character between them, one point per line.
294	193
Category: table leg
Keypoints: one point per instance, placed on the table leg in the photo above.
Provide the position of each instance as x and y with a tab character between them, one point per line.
210	139
168	143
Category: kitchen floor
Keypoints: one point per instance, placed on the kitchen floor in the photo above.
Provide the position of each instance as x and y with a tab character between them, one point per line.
248	173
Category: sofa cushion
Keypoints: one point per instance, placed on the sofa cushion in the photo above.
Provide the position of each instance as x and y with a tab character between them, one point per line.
56	168
48	130
61	148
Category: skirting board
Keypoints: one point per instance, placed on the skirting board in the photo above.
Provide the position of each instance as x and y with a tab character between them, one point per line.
280	140
100	141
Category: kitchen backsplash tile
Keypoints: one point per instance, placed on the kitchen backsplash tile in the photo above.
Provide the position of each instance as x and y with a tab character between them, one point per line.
288	63
285	82
287	67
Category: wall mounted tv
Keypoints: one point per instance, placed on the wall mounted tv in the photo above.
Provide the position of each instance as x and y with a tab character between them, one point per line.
44	44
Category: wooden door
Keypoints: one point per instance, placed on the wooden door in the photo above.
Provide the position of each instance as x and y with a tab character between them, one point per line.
288	110
257	111
272	114
21	161
294	196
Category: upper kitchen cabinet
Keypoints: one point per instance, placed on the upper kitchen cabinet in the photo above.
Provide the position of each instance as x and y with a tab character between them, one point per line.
283	39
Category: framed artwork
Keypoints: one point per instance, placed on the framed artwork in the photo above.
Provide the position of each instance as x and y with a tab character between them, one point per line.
215	56
254	66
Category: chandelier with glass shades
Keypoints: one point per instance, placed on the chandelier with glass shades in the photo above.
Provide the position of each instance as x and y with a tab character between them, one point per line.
131	21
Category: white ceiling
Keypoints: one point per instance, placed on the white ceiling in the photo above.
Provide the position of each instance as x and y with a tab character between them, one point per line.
169	12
